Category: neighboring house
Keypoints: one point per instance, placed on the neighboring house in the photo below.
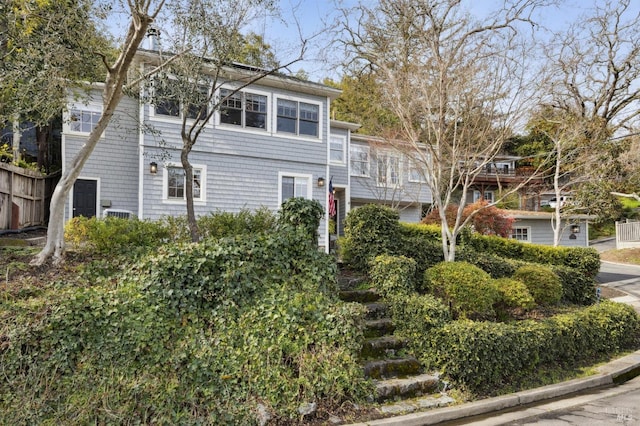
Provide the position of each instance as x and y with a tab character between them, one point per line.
383	174
536	227
503	173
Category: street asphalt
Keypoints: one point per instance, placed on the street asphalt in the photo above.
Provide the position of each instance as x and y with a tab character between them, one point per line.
531	403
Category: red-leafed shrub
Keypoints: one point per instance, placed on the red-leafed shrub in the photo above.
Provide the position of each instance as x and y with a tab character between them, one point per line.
487	220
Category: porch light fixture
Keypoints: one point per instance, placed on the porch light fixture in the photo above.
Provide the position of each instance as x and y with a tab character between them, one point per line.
153	167
575	229
320	181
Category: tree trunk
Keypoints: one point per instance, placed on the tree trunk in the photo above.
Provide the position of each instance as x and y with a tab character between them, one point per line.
42	137
188	188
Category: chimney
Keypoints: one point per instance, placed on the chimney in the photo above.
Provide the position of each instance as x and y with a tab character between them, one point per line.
153	39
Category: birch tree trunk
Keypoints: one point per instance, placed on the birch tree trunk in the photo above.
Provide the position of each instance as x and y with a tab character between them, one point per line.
111	96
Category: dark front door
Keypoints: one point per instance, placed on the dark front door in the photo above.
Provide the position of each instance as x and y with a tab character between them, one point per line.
84	197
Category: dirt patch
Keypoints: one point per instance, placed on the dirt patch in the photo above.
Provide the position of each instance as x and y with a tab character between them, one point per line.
610	293
631	256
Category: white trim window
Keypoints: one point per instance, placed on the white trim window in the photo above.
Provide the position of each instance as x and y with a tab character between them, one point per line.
175	183
488	196
337	146
389	170
293	185
521	233
168	105
244	109
416	173
359	156
297	118
84	118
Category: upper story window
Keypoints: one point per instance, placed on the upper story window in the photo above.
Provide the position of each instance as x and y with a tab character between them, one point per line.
84	118
175	184
388	170
359	160
169	105
487	196
243	109
416	173
298	118
337	149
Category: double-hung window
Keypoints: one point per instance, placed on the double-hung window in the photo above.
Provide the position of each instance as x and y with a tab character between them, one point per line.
294	185
389	173
359	160
298	118
488	196
175	184
243	109
336	149
170	105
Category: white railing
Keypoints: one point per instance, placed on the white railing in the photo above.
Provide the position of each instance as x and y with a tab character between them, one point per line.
627	235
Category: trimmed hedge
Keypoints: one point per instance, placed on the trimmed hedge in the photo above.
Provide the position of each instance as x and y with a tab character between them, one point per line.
484	355
468	289
543	284
587	260
577	288
393	274
514	294
496	266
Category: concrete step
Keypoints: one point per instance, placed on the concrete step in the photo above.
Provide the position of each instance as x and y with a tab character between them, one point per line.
360	296
416	404
390	368
409	387
382	347
378	327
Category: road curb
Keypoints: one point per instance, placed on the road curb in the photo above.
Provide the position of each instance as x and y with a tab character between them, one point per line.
616	371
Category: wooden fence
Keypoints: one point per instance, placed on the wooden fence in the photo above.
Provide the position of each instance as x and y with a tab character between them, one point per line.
24	197
627	235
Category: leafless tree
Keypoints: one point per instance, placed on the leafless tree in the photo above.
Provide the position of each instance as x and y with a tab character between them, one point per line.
456	86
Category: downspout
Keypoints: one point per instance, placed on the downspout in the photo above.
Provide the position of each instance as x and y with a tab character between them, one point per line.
141	168
328	177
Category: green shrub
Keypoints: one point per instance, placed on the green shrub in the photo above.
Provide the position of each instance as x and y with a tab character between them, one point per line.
199	277
514	294
468	289
584	259
424	249
577	287
543	284
226	224
176	347
484	355
393	274
114	236
496	266
415	315
303	214
370	230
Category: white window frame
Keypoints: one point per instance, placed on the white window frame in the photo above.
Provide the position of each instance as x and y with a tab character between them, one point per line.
243	127
343	143
367	164
295	176
91	107
170	118
418	177
386	156
477	195
203	184
297	135
525	228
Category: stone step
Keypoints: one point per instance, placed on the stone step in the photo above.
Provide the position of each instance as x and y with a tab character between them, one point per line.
382	347
350	282
409	387
416	404
360	296
390	368
376	310
378	327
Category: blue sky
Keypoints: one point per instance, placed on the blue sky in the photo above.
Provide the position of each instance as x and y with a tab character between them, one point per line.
309	20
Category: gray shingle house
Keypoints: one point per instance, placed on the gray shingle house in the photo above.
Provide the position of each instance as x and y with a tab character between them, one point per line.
273	140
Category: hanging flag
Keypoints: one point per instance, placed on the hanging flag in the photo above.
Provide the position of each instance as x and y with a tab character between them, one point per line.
332	201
